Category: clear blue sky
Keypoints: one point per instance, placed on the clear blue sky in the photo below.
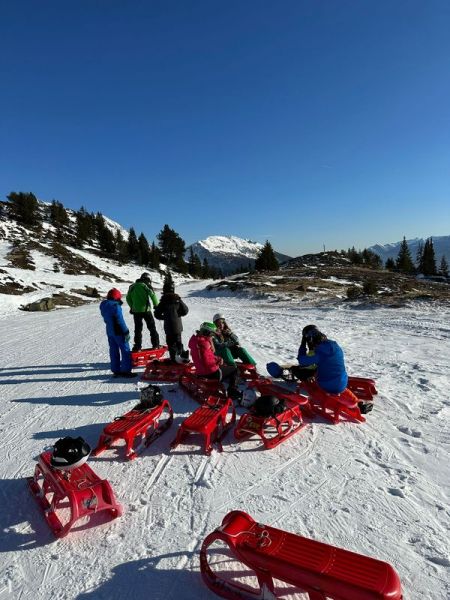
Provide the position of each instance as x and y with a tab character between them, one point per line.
302	122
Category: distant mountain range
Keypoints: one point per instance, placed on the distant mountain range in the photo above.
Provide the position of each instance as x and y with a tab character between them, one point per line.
441	247
229	253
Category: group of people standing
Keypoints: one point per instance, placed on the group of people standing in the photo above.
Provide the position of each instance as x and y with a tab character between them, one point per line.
214	347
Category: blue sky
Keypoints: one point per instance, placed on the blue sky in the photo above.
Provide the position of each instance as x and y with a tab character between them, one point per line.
308	123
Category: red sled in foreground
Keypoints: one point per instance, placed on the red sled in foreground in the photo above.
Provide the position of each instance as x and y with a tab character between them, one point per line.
165	370
201	389
141	357
66	496
138	428
212	421
319	570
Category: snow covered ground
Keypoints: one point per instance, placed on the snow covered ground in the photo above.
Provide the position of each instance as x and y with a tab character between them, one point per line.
379	488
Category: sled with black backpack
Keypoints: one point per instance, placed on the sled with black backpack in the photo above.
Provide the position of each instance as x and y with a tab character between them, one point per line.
211	421
139	427
275	415
67	489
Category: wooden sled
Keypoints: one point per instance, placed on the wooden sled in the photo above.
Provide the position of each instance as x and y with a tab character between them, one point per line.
66	496
138	428
320	570
212	421
333	407
141	357
165	370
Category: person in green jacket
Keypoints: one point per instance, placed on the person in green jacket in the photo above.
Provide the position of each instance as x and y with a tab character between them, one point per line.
226	343
140	298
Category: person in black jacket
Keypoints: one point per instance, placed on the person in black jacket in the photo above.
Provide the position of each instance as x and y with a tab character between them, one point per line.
170	310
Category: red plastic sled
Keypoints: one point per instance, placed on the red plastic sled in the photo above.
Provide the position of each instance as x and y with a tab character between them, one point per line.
201	389
165	370
138	428
362	387
333	407
320	570
212	421
142	357
247	372
66	496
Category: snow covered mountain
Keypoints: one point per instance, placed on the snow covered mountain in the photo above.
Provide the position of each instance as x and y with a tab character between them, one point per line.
441	247
228	252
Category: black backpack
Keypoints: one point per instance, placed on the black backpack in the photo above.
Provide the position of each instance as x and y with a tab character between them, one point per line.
268	406
150	397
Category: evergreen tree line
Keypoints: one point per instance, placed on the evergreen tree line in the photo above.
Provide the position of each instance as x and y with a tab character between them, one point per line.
425	260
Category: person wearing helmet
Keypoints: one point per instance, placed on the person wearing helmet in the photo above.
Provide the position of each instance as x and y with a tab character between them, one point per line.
327	355
170	310
140	298
118	334
226	343
207	363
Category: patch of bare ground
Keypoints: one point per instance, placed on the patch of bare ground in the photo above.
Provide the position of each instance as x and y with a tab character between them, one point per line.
63	299
13	288
19	257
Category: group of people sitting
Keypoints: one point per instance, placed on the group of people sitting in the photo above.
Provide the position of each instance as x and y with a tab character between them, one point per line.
214	348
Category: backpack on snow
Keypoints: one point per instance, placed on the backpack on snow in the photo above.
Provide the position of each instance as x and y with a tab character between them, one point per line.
268	406
149	397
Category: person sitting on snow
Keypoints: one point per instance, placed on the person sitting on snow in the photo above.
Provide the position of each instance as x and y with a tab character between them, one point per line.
140	298
328	357
170	309
209	365
118	334
226	343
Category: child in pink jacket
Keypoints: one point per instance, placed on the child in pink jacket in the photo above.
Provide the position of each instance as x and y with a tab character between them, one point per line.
207	364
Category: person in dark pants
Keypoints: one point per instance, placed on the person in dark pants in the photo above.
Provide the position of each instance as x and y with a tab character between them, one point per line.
170	310
118	334
140	298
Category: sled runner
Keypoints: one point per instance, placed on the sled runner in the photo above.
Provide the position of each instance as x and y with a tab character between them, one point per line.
165	370
138	428
67	495
362	387
246	371
212	420
141	357
333	407
200	388
322	571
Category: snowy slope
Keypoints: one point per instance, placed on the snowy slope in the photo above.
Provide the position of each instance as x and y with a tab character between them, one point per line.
380	488
228	253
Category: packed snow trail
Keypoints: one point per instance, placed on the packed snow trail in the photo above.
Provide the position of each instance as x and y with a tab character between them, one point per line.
379	488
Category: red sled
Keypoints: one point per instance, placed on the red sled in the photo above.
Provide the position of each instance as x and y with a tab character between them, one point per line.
247	372
212	421
165	370
320	570
362	387
273	430
333	407
201	389
66	496
138	428
141	357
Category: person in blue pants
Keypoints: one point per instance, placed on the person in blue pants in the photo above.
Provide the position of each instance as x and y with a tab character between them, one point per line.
118	334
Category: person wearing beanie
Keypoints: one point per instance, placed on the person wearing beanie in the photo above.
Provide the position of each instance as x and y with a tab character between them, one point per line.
118	334
328	358
140	298
170	310
208	364
226	343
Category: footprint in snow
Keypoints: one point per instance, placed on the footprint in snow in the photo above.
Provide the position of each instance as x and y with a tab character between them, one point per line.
396	492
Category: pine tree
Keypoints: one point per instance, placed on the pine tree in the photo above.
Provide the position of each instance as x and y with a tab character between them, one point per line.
168	281
85	229
121	247
133	245
419	258
172	245
429	258
194	264
390	264
24	208
266	260
443	269
105	236
58	214
155	256
404	261
143	250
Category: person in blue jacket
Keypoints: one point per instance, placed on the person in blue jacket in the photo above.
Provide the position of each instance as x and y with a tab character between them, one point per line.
328	357
118	334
